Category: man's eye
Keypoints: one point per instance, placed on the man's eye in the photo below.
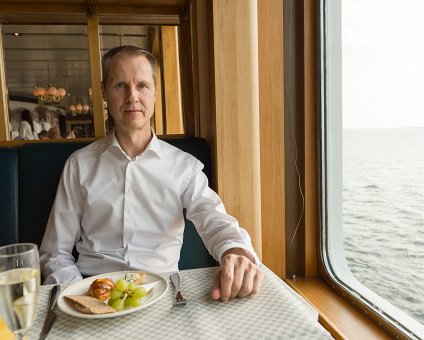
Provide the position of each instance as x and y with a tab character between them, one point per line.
143	86
120	86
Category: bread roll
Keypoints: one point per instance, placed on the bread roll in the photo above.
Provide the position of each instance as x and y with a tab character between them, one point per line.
101	288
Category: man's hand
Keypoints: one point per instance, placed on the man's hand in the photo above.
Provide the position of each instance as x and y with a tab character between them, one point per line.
237	276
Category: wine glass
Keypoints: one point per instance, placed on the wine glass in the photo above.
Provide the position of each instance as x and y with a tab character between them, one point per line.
19	286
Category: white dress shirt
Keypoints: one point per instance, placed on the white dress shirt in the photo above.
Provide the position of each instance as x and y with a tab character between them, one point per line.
127	214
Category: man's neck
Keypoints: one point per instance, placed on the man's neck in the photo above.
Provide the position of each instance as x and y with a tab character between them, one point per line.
133	142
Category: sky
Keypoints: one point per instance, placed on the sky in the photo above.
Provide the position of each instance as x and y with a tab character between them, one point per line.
383	63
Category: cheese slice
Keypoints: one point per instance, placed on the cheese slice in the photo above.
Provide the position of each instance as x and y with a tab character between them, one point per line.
135	277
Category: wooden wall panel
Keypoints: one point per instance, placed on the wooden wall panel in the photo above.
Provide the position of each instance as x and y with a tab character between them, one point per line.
4	115
271	100
236	88
96	76
174	118
157	119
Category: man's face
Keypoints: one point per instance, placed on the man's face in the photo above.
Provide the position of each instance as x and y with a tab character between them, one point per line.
130	92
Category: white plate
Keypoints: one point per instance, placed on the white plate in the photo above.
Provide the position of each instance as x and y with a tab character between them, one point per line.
81	288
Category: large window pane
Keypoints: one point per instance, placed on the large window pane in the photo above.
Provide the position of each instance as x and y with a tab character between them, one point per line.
374	137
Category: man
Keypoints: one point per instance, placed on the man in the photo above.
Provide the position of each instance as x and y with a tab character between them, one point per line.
121	199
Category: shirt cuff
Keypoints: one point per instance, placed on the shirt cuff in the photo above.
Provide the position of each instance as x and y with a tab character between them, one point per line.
64	275
239	245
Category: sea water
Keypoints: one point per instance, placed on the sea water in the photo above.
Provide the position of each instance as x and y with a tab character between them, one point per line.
383	213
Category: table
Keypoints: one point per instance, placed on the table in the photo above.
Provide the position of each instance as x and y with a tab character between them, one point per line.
277	312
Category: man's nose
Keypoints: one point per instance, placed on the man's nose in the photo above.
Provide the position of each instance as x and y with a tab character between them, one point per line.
132	95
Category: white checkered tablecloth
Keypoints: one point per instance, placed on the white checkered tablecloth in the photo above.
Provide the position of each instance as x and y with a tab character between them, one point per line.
277	312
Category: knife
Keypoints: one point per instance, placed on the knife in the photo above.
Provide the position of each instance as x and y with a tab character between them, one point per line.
51	314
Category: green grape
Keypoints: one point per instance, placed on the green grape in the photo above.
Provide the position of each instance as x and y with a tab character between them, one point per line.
115	294
118	305
111	302
127	302
139	292
133	302
131	286
122	285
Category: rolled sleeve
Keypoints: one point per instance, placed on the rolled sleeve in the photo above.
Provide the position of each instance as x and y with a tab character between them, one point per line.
65	275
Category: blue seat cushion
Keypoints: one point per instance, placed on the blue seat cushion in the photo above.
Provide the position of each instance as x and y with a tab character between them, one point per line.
40	168
9	181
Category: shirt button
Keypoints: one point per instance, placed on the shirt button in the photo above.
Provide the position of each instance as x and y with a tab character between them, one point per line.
130	190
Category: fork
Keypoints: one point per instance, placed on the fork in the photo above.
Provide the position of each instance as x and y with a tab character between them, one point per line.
179	300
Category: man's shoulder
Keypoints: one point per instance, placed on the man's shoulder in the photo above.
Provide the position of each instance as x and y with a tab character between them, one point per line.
170	151
91	150
174	157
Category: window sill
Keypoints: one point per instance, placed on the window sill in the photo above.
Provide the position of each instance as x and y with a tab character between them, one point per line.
337	315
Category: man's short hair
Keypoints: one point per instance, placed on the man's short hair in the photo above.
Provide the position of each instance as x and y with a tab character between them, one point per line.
131	51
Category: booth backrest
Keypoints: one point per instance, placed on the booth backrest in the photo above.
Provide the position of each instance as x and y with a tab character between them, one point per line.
29	176
40	168
9	197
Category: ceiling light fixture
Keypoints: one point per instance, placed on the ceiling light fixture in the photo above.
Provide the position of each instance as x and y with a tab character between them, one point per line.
79	109
52	95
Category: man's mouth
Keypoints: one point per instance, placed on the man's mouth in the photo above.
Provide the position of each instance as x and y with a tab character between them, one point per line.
132	111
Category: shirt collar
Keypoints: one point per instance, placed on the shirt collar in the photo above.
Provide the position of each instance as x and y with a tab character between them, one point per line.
111	141
155	146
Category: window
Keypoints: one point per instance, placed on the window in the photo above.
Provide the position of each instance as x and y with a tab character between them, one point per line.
47	56
373	154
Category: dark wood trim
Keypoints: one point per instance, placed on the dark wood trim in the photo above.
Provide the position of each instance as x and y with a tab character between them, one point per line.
187	75
77	14
310	134
82	9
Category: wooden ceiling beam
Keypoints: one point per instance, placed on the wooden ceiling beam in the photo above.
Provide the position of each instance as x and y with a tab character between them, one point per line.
42	8
77	14
83	8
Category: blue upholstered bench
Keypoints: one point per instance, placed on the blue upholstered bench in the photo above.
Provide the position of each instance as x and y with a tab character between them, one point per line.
9	196
30	173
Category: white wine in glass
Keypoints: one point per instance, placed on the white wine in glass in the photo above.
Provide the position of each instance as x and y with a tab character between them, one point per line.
19	286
